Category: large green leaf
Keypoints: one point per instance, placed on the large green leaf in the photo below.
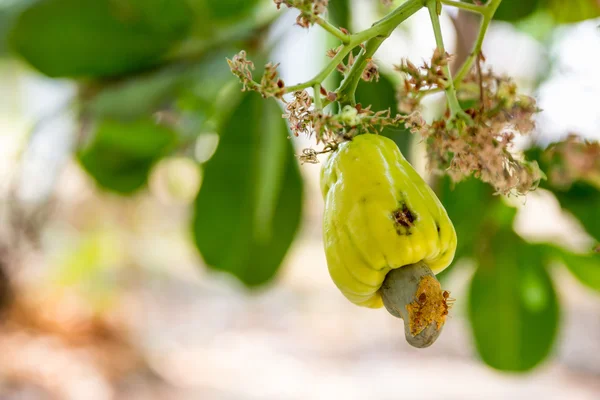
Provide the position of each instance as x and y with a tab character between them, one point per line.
468	204
229	9
98	37
573	10
585	267
513	309
194	86
249	205
562	11
583	201
120	155
136	97
340	13
513	10
381	96
9	11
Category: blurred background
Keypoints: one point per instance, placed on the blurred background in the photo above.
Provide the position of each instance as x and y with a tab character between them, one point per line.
125	200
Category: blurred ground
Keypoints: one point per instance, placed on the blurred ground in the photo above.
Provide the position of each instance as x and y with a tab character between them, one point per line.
163	328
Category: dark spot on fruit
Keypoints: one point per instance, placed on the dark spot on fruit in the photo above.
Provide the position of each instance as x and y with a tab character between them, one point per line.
437	226
404	219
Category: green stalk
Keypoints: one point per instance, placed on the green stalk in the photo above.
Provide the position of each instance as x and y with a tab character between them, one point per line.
488	14
374	37
344	38
465	6
437	30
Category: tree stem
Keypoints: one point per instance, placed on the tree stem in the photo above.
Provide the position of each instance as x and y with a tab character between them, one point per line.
325	72
453	104
490	10
374	37
465	6
344	38
317	96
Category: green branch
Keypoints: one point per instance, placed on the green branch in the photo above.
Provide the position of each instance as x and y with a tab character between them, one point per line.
325	72
317	96
453	104
374	37
344	38
386	25
488	14
350	83
465	6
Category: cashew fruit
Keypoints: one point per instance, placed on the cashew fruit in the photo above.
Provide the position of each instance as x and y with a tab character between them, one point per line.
380	215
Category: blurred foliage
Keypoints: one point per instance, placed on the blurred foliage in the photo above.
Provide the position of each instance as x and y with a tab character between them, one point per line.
580	198
512	10
561	11
249	205
340	13
100	37
120	154
156	79
513	307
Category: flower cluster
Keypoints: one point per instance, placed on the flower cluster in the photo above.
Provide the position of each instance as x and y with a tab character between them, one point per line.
270	84
573	159
480	143
370	73
309	9
420	80
331	129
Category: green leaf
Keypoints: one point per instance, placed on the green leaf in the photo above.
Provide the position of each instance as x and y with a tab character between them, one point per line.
585	267
136	97
189	86
381	96
573	10
468	204
583	201
539	25
9	11
340	13
513	10
75	38
229	9
249	206
121	154
513	309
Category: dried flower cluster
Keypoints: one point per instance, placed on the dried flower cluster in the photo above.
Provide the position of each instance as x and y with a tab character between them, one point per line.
309	9
419	80
270	84
332	129
341	67
370	73
482	145
477	142
573	159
